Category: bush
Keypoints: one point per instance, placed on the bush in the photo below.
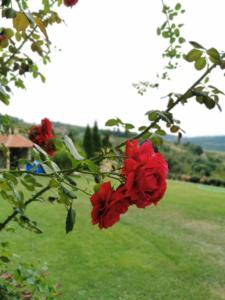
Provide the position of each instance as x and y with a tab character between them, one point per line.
195	179
22	280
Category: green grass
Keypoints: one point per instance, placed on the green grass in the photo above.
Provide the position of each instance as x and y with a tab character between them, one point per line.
173	251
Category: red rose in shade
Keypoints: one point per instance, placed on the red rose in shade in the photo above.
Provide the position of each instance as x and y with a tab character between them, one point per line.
70	2
145	174
108	205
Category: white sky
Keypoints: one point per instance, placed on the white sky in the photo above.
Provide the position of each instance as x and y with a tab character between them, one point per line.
107	46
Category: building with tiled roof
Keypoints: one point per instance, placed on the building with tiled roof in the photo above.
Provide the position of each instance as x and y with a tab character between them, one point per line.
17	147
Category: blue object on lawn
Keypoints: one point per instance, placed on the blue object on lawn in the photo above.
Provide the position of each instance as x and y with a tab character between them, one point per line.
35	167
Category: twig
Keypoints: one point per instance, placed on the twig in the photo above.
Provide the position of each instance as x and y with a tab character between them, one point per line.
182	97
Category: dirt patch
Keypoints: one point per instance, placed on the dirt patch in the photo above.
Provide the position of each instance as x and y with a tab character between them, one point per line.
218	293
204	227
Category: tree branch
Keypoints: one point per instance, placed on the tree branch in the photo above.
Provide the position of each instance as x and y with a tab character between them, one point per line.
182	97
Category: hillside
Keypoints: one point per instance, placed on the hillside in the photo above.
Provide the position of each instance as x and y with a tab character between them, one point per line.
191	163
211	143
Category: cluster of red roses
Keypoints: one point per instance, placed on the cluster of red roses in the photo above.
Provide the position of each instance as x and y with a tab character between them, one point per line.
70	2
42	135
144	173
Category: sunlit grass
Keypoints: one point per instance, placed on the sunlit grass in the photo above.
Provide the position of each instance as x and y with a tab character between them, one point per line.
173	251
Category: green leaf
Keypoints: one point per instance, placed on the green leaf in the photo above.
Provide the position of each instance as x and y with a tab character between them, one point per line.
70	146
4	259
142	128
181	40
41	26
9	176
9	32
193	55
9	13
129	126
166	34
20	22
112	122
174	128
209	102
91	166
3	96
196	45
53	183
178	6
152	115
70	219
68	193
160	132
200	63
214	55
6	2
156	140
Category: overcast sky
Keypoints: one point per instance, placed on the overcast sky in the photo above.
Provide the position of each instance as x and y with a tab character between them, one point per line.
107	46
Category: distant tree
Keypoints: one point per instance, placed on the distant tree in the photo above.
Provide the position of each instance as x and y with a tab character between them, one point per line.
96	138
87	142
196	149
105	141
6	125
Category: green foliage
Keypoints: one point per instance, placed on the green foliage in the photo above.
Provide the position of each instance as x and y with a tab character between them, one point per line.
22	280
28	29
6	124
171	30
88	142
192	161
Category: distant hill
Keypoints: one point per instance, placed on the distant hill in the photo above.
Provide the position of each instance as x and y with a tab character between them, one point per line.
210	143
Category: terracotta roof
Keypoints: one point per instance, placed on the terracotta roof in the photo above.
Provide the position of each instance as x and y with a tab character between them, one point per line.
15	141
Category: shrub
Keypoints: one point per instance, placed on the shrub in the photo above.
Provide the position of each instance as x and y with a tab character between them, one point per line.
20	280
195	179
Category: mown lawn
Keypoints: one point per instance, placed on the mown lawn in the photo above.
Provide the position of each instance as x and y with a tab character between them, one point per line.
173	251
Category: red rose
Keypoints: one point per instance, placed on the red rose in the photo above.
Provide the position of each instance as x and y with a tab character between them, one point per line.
145	174
70	2
46	129
108	205
42	135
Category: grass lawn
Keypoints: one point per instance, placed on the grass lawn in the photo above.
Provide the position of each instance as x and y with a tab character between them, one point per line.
173	251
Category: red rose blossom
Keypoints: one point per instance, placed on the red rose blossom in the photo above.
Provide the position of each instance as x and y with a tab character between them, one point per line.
145	174
42	135
108	205
70	2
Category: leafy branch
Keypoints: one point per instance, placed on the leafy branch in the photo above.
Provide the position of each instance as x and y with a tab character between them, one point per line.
29	201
